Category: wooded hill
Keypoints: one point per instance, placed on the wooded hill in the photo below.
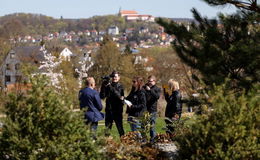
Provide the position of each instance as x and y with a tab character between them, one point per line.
37	24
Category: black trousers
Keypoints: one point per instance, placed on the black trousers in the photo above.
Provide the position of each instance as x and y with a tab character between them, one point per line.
171	120
117	118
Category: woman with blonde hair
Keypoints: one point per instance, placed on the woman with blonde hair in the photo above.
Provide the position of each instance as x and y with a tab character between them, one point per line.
173	98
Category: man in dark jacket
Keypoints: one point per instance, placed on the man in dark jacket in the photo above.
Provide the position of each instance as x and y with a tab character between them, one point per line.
152	93
90	100
114	94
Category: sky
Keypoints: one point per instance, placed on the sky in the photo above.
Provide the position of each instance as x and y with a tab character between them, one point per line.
89	8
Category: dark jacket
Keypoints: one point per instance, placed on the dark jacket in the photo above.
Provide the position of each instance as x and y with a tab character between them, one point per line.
113	93
174	105
138	100
89	98
152	97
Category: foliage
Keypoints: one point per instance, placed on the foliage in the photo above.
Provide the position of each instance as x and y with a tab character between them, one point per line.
114	133
145	126
40	125
2	100
102	23
23	24
12	28
230	131
228	47
143	129
246	4
37	24
69	84
167	65
108	58
137	25
130	149
178	127
5	47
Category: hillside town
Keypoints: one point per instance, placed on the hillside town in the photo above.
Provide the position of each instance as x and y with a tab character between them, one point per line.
146	37
87	42
129	85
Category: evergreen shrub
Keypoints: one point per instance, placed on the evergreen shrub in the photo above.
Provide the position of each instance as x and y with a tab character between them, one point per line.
230	131
40	125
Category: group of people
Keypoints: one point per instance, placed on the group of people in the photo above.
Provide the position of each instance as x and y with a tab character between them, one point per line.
142	97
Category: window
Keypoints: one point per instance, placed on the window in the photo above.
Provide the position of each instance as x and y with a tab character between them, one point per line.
12	54
7	78
17	66
8	67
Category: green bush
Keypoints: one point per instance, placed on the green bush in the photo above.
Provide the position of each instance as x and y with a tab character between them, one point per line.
230	131
40	125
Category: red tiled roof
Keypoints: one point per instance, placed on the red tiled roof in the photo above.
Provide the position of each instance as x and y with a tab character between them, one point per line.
128	12
130	29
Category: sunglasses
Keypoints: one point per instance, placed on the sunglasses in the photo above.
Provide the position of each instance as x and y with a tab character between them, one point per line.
134	81
151	81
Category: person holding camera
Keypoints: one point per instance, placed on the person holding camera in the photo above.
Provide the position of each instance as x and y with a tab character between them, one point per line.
113	91
152	93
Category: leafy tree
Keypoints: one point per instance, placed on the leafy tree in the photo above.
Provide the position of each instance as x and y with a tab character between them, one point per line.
5	47
227	47
104	22
40	125
69	84
128	49
22	24
166	65
12	28
108	58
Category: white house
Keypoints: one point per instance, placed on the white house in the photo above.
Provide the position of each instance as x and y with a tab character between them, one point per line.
148	18
66	54
113	30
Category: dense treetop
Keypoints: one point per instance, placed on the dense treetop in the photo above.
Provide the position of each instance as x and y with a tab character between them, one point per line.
24	24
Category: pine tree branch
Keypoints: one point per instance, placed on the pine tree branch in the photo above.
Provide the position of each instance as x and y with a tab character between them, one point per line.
251	5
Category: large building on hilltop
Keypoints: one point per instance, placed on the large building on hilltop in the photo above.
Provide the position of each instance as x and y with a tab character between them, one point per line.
131	15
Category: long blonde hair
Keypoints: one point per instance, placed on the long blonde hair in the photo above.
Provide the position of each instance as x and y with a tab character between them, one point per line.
173	85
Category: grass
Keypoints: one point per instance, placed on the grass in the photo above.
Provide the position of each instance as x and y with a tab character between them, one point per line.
160	124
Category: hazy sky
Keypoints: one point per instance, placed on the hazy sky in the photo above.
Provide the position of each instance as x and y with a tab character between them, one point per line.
89	8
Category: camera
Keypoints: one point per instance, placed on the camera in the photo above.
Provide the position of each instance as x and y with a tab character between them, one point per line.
147	86
106	79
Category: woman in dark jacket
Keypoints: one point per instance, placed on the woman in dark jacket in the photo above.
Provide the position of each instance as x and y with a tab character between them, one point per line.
174	106
138	100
